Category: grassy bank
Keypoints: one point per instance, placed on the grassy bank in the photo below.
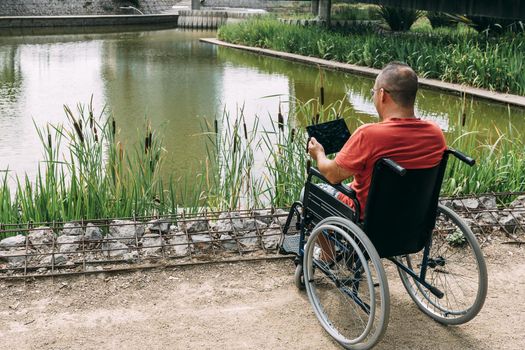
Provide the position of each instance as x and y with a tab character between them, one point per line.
465	58
87	172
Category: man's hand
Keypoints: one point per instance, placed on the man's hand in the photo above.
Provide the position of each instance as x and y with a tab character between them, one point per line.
329	168
315	149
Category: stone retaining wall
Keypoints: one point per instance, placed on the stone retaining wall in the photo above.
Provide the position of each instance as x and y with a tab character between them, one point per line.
81	7
83	21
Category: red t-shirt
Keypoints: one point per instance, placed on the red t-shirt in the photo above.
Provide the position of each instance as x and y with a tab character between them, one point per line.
411	142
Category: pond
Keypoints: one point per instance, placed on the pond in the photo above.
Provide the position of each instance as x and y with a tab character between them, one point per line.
176	82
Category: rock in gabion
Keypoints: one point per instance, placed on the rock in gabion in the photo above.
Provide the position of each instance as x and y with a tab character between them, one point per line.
229	223
271	238
488	202
180	244
487	218
160	226
152	243
59	259
72	229
93	233
250	225
131	256
41	238
195	226
264	216
114	249
13	242
509	223
14	257
228	242
466	203
126	231
68	244
201	241
249	241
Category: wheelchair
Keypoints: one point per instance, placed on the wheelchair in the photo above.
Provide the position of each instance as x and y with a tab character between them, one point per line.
338	256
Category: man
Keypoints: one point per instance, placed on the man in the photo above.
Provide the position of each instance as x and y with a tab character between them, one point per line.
411	142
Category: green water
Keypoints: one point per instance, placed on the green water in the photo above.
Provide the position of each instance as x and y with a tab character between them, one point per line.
170	78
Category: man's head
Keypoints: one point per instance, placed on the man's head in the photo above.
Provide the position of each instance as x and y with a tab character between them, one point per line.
395	91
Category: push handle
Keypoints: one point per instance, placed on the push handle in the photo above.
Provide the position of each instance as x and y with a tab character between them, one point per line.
398	169
461	156
347	191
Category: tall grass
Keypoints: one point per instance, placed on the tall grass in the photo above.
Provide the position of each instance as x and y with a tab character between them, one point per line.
96	176
472	59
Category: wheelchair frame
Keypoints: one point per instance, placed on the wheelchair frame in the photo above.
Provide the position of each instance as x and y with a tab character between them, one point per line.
319	208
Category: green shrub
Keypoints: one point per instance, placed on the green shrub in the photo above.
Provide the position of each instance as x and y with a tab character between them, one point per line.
399	19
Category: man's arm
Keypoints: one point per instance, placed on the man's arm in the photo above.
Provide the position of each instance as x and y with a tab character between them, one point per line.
329	168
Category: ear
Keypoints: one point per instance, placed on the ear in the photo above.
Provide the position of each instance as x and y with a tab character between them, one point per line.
383	95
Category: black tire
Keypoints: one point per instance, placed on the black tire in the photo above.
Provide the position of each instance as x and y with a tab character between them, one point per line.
299	277
349	290
456	267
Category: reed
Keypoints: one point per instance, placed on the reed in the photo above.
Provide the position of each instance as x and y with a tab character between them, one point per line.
88	173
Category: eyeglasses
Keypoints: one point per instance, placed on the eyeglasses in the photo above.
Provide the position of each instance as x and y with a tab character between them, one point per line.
373	91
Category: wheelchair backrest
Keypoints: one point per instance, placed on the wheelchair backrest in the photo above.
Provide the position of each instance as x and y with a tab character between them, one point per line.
401	211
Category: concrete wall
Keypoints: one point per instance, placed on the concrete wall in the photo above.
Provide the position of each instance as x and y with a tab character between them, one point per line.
254	4
80	7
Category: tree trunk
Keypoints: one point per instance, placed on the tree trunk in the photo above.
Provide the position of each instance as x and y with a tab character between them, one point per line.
325	7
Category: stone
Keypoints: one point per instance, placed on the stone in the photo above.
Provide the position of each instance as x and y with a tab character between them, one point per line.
518	202
152	243
93	233
14	257
72	229
60	259
447	203
509	223
195	226
114	249
249	241
280	217
161	226
487	218
271	238
68	244
465	203
131	256
228	242
201	241
488	202
41	238
252	225
126	231
13	242
263	215
179	243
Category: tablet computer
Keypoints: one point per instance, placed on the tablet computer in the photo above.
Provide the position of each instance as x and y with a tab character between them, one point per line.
332	135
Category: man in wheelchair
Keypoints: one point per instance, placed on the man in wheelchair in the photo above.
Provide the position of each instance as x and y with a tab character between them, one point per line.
390	211
411	142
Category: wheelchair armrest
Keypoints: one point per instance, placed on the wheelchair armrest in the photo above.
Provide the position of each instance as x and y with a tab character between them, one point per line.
344	189
461	156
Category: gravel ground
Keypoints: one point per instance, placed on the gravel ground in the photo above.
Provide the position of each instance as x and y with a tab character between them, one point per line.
237	306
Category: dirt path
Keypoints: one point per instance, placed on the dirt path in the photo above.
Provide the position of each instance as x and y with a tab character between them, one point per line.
237	306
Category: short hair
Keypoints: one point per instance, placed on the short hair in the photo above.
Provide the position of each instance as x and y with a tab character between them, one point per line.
401	82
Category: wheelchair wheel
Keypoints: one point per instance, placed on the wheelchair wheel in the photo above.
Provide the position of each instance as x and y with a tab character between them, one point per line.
346	283
456	267
299	277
